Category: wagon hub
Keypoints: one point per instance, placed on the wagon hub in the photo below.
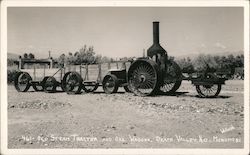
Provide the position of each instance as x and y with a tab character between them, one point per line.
109	84
208	86
72	82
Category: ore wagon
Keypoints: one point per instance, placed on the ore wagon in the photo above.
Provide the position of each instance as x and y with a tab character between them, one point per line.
40	75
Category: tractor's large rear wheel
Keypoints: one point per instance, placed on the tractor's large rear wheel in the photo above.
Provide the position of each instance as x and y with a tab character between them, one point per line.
172	78
143	77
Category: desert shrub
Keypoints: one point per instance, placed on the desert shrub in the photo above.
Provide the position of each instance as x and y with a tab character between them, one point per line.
186	65
11	76
226	64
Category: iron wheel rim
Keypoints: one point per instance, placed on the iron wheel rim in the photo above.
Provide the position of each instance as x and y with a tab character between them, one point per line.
110	84
38	87
208	91
167	87
143	79
22	83
172	78
73	83
50	85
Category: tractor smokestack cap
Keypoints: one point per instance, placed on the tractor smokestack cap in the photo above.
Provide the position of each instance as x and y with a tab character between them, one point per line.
156	47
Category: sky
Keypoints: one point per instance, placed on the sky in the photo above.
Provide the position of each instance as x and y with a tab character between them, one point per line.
124	31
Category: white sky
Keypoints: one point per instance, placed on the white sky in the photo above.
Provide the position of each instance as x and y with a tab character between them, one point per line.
121	31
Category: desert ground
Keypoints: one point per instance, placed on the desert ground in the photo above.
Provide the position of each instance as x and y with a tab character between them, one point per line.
122	120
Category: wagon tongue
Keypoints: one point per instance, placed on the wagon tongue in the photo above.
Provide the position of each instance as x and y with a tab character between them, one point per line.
156	47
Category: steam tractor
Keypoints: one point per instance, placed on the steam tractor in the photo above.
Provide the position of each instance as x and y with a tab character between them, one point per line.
145	76
157	74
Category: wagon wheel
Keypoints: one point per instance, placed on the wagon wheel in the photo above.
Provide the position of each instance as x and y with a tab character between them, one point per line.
40	86
208	91
22	82
143	77
172	78
65	78
73	83
50	84
110	84
90	87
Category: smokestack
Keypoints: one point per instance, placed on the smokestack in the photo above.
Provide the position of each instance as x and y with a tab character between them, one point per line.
156	32
156	48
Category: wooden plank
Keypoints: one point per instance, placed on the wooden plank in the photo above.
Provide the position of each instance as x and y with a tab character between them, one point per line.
105	69
83	72
40	74
113	66
93	72
127	65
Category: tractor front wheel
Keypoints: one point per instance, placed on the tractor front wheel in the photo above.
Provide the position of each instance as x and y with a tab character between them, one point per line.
110	84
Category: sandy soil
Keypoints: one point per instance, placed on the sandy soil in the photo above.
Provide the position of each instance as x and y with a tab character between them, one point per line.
122	120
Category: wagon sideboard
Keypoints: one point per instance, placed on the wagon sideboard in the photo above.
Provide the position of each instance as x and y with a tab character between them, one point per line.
96	72
38	74
91	72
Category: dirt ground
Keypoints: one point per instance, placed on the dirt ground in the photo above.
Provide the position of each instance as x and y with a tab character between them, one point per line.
122	120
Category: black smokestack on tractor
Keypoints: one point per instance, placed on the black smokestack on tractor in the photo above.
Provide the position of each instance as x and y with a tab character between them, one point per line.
156	48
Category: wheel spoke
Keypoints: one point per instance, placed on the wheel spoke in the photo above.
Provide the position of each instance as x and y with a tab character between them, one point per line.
208	90
142	79
22	83
73	83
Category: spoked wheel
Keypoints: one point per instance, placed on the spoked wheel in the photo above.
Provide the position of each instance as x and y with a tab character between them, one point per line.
110	84
127	89
143	77
73	83
90	86
22	82
64	81
50	84
172	78
38	87
170	87
208	91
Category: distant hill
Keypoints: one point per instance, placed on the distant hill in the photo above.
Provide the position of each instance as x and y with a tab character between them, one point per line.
12	56
194	55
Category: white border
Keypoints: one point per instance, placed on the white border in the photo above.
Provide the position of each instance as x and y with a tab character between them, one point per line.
151	3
